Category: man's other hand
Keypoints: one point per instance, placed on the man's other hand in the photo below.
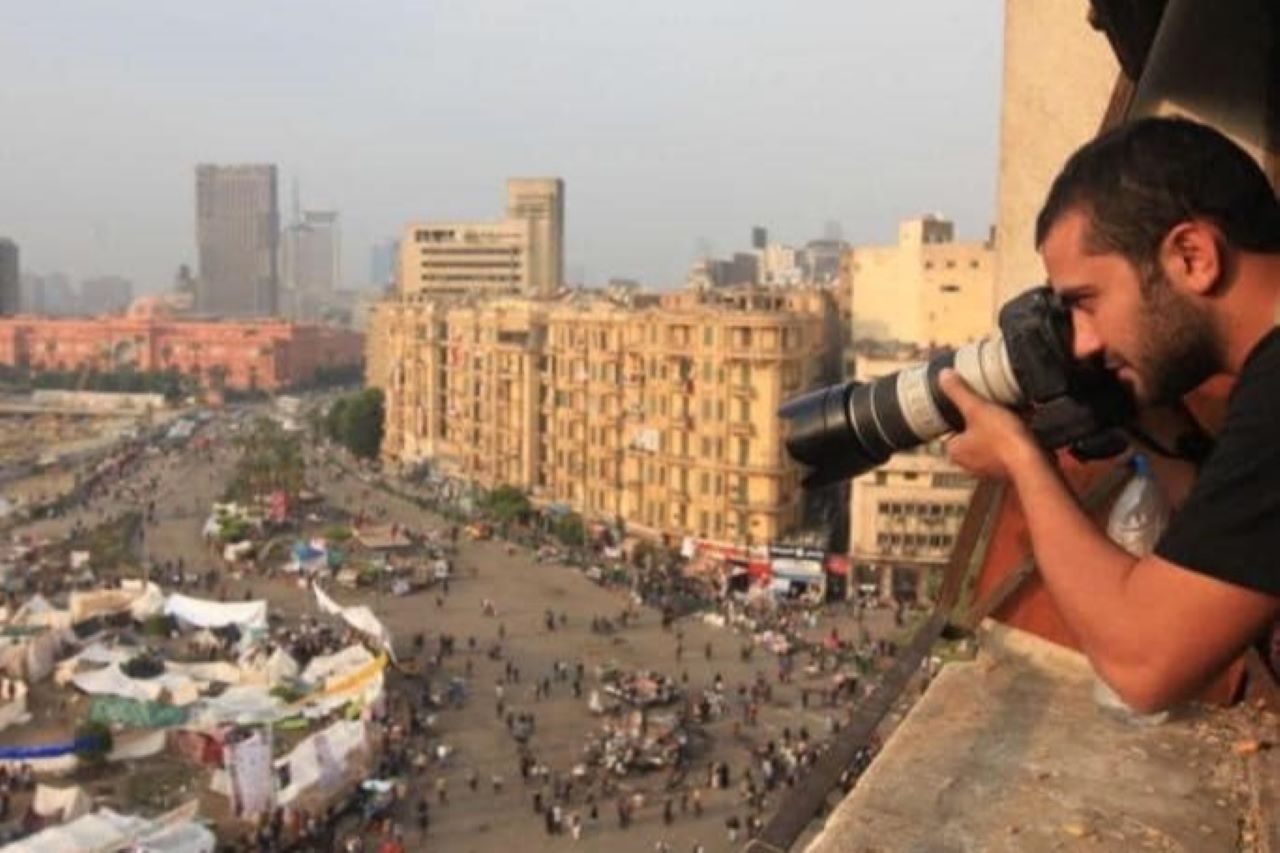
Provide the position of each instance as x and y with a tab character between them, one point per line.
994	439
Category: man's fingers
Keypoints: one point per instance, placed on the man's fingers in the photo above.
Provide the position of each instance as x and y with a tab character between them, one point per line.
958	391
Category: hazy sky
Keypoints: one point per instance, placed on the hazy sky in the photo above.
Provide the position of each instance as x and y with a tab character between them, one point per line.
676	124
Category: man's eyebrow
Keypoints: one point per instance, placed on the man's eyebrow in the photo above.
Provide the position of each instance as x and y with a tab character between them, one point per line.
1068	292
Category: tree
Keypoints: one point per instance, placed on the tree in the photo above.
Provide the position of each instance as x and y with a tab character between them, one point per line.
507	504
270	460
356	422
570	529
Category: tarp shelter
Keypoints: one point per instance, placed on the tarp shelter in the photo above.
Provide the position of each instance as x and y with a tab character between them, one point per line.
61	804
101	602
361	618
37	612
321	760
109	830
248	615
30	655
112	681
13	703
383	537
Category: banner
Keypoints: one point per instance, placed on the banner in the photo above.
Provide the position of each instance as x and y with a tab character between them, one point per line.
253	786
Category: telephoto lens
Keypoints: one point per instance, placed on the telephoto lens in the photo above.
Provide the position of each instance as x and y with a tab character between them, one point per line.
845	430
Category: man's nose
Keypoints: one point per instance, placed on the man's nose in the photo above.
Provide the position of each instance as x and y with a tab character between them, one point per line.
1085	342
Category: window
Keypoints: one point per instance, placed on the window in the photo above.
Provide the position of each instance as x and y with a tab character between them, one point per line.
948	480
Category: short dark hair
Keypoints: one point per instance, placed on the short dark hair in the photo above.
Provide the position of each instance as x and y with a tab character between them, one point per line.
1138	181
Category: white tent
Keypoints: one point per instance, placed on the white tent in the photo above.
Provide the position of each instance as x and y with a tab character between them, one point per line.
61	804
247	615
361	618
107	830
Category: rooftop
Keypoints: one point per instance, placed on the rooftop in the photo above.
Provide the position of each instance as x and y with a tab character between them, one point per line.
1011	752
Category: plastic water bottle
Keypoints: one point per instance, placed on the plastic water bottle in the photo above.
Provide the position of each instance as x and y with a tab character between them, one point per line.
1137	520
1141	513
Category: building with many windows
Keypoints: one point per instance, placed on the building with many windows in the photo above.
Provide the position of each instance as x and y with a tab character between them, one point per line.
245	355
907	300
660	412
927	289
238	239
522	253
906	513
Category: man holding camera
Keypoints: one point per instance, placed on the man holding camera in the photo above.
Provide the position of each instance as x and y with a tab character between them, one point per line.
1163	239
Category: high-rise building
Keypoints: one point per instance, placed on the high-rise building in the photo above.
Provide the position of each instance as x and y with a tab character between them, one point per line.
238	236
523	253
540	203
312	263
106	294
10	278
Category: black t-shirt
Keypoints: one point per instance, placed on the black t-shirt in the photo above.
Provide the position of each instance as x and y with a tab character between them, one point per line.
1229	527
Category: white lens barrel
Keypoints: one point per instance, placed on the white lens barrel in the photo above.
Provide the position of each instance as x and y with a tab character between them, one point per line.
985	366
918	407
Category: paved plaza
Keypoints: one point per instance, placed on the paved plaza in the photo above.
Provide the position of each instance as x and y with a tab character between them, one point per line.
522	591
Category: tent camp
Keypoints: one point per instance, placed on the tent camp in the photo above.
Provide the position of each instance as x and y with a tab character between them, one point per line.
201	613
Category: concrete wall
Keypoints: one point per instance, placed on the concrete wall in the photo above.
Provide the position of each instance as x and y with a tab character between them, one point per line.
1058	77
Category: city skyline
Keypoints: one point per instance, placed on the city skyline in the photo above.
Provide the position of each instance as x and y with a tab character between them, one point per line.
666	158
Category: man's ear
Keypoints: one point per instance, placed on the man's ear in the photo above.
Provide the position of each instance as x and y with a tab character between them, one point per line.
1192	256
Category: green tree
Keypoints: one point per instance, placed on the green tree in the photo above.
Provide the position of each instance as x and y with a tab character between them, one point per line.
270	460
570	529
507	504
356	422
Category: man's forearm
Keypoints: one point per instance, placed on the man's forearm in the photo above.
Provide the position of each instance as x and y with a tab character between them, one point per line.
1086	573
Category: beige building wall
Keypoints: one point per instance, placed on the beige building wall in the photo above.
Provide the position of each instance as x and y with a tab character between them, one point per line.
521	254
540	203
464	257
1058	77
1208	62
664	417
378	360
926	289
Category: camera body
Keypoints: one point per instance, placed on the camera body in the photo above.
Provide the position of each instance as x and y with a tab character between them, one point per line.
844	430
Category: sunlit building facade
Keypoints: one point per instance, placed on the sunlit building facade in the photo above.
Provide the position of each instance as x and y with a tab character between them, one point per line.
660	414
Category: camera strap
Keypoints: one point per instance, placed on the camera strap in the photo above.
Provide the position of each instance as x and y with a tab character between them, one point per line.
808	798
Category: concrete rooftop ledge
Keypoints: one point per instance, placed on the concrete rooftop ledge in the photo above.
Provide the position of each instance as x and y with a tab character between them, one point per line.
1010	752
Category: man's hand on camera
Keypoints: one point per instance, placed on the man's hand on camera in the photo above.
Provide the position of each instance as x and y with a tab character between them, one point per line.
994	439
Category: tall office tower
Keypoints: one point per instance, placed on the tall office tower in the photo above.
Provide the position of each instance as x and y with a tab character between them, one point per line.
238	237
540	202
10	280
759	237
312	258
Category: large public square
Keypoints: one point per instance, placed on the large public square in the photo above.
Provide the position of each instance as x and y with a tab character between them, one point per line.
523	631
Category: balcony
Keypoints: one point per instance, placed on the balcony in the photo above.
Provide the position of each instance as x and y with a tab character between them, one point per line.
746	429
1010	752
743	390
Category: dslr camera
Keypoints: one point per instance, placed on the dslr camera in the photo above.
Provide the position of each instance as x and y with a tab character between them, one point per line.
844	430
